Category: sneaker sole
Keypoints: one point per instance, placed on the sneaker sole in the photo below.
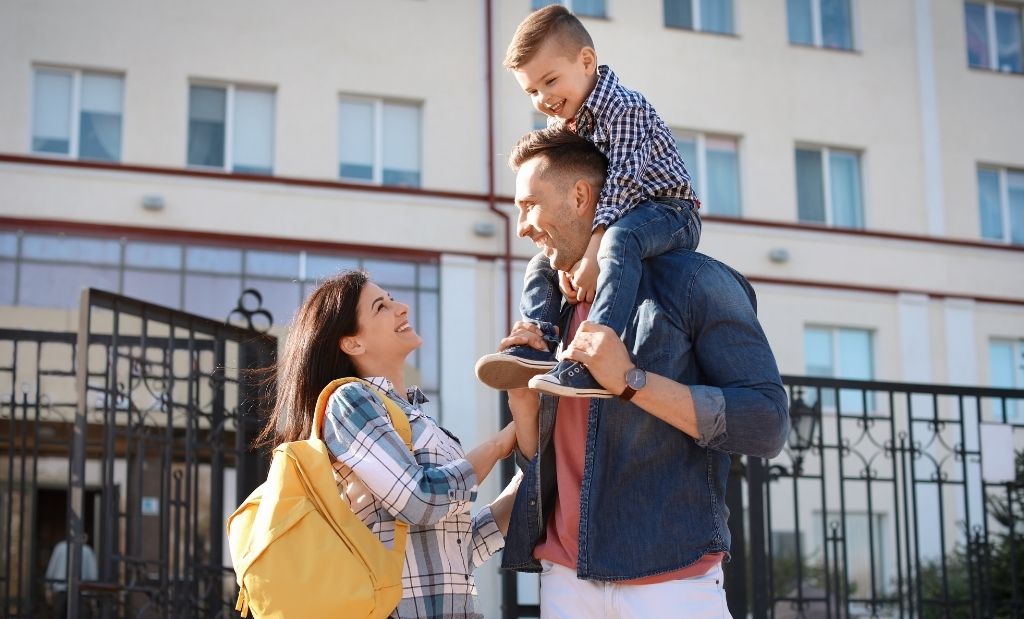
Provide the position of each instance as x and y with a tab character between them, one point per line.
504	372
558	389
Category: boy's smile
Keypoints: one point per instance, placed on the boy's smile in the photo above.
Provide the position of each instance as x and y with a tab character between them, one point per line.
558	83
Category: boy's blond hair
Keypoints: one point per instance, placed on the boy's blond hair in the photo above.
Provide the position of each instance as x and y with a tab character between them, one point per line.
552	23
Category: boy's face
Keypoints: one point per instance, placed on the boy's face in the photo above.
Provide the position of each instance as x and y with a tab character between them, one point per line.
557	84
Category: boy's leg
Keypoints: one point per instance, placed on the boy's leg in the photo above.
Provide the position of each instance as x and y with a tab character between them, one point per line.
650	229
513	367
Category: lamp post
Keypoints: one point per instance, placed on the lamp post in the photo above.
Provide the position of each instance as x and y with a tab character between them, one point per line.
803	426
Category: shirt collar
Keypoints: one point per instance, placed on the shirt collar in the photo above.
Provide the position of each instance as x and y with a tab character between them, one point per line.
599	98
413	394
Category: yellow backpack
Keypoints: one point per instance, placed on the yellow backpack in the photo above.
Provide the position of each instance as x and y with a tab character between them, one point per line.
297	548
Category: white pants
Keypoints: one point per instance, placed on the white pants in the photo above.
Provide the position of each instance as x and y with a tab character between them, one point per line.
564	596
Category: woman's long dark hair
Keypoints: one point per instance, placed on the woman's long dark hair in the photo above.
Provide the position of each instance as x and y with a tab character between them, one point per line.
312	356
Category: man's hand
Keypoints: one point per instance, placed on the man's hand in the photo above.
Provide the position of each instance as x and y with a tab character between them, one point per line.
524	333
600	349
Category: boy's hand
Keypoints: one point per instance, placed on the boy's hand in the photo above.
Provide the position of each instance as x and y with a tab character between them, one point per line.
584	273
568	290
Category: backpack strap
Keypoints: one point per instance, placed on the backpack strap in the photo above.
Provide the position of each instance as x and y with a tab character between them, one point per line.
398	420
395	412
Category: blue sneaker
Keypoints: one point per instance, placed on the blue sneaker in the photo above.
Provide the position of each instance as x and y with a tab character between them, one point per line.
513	367
570	379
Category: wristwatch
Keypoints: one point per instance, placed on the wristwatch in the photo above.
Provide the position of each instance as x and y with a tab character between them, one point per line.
636	379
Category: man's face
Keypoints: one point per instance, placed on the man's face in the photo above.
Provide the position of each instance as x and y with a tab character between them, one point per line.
556	84
552	216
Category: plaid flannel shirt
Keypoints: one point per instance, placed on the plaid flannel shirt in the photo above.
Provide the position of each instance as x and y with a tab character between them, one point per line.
643	161
430	488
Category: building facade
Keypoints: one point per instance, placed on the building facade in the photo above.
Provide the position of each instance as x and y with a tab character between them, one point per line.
861	162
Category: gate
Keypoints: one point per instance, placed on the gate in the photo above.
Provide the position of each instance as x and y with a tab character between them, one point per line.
136	431
889	500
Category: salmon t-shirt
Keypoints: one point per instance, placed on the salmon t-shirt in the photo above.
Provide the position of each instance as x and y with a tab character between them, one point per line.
563	528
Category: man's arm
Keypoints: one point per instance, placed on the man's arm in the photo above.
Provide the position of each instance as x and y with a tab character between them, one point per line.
742	408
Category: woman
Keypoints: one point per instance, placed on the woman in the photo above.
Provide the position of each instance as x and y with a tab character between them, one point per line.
349	326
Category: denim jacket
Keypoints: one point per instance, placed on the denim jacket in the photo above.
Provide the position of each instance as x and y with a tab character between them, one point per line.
652	498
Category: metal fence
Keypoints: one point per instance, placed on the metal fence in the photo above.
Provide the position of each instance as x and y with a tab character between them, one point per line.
889	500
126	445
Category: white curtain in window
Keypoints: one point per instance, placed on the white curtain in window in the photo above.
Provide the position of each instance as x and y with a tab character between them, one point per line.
51	117
723	190
844	176
1015	206
253	139
1008	39
716	15
100	120
401	144
356	139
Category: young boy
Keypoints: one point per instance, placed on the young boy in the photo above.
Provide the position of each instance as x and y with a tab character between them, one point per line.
646	206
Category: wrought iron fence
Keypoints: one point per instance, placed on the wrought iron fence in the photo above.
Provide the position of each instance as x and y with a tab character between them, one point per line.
889	500
136	429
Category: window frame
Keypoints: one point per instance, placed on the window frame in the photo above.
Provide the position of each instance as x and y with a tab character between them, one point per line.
378	137
833	332
818	37
74	110
701	179
1004	202
568	4
697	18
1016	407
826	182
991	8
229	124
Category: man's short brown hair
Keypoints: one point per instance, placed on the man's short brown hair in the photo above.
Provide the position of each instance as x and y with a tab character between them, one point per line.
567	156
552	23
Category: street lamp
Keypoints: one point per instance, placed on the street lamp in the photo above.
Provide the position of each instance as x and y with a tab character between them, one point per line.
803	425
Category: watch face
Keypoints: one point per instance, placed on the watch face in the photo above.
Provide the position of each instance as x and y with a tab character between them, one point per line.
636	378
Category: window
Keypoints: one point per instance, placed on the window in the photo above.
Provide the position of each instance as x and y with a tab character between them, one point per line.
713	164
704	15
828	187
379	141
821	23
77	113
540	121
836	352
231	128
582	8
994	36
1001	204
1006	369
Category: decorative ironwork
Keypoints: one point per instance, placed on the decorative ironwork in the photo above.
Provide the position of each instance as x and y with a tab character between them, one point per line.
249	313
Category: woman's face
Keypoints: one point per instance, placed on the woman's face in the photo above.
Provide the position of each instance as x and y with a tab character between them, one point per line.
384	328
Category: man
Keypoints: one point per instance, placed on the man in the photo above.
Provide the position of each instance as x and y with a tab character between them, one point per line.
622	506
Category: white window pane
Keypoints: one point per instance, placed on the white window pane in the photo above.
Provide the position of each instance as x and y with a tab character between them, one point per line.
401	145
51	113
211	296
154	287
716	15
154	255
1008	39
280	298
320	267
591	8
540	121
71	249
1015	196
855	363
355	139
988	203
7	272
818	352
801	30
8	244
1001	364
99	131
679	13
60	285
686	144
723	190
206	119
386	273
810	186
977	35
836	24
274	263
253	134
213	260
844	176
427	327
